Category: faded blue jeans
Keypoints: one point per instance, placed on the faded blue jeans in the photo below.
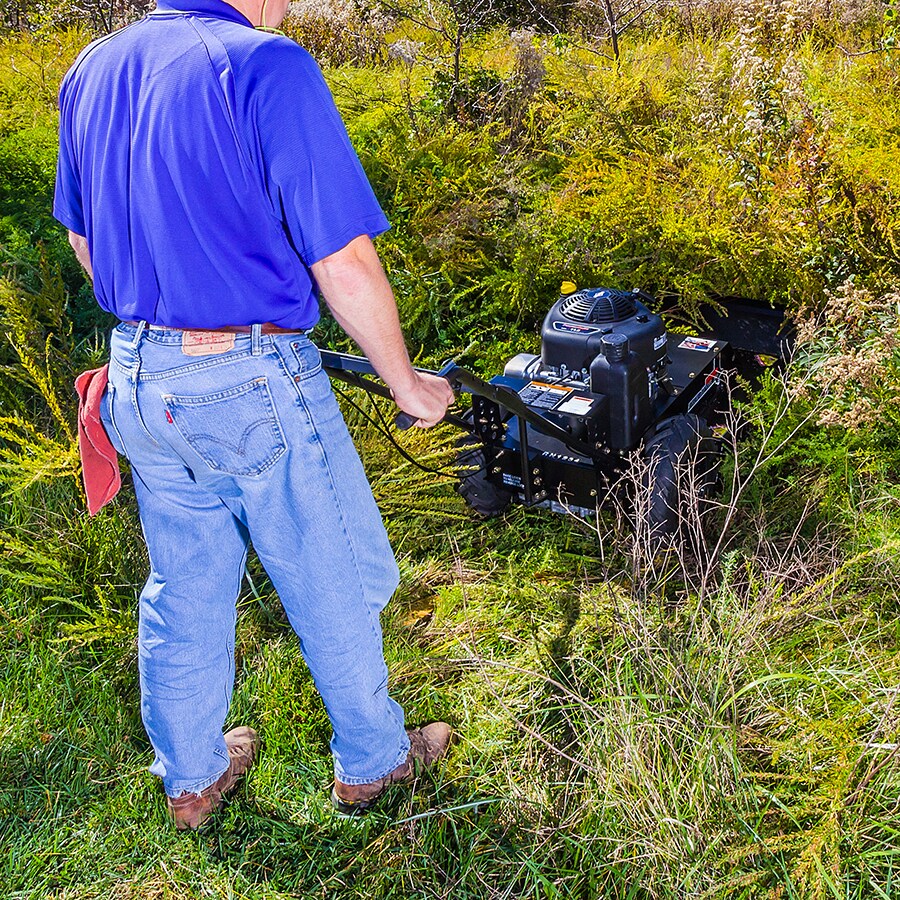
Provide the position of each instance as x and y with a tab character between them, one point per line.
226	448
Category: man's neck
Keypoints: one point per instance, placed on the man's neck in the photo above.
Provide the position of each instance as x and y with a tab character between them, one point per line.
252	9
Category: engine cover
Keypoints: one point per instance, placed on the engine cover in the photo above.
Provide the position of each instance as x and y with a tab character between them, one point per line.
576	324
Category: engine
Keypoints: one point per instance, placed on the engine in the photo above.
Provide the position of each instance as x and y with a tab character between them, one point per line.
574	329
607	342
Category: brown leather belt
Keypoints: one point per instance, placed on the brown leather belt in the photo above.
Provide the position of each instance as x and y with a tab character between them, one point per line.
267	328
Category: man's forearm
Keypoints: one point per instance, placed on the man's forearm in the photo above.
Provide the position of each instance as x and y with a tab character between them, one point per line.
80	246
358	294
356	290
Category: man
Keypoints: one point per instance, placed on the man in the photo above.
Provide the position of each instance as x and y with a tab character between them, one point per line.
209	188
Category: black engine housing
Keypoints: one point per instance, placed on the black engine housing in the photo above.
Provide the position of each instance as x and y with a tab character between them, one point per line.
576	324
607	374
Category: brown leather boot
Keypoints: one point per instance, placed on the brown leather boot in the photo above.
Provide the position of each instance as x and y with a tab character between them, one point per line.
427	745
190	811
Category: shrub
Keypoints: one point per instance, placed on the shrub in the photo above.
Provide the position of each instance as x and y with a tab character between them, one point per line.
336	32
850	354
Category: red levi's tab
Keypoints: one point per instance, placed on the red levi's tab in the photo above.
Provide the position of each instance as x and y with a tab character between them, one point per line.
99	460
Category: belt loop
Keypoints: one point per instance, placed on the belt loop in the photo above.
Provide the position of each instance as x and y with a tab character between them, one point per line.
256	339
135	374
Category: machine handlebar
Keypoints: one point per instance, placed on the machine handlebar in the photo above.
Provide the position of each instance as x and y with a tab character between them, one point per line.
353	369
403	421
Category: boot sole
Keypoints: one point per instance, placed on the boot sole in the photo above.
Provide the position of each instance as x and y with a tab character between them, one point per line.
352	810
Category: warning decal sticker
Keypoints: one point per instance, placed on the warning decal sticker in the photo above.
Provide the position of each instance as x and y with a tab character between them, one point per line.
541	395
694	343
577	406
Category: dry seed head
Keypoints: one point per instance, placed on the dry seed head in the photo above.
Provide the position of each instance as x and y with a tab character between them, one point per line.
846	355
406	51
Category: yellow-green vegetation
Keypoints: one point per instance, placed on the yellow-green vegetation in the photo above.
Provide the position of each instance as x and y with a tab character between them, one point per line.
724	726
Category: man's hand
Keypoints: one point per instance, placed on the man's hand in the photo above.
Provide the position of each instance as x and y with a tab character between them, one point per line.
357	292
428	399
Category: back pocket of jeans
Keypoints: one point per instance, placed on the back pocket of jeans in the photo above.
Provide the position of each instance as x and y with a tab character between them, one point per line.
235	431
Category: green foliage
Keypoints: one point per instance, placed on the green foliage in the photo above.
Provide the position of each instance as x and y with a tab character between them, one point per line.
732	170
631	728
32	243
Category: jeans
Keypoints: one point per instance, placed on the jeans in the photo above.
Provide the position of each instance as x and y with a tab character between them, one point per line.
249	444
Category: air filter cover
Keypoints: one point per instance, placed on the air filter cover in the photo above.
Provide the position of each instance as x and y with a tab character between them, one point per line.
599	305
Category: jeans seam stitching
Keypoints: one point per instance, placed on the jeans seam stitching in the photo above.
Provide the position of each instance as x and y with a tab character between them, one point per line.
204	399
340	508
111	393
192	368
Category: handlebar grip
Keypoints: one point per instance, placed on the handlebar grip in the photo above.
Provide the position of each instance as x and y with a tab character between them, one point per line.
404	421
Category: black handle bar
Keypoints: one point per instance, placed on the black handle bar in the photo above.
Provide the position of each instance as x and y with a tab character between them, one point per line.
403	420
352	370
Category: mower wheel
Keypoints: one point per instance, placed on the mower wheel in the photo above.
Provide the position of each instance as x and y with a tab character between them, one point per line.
683	460
480	494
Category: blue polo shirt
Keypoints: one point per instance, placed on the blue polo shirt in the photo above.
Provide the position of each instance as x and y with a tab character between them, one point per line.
208	167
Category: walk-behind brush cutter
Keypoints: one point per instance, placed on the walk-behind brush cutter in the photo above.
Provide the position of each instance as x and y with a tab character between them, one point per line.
555	430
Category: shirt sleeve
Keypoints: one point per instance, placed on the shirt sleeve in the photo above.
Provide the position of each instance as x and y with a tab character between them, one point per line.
67	200
313	176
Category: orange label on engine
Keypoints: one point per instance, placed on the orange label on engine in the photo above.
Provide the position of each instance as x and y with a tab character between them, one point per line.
550	387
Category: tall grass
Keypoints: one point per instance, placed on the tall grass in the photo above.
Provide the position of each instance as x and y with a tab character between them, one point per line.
716	722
